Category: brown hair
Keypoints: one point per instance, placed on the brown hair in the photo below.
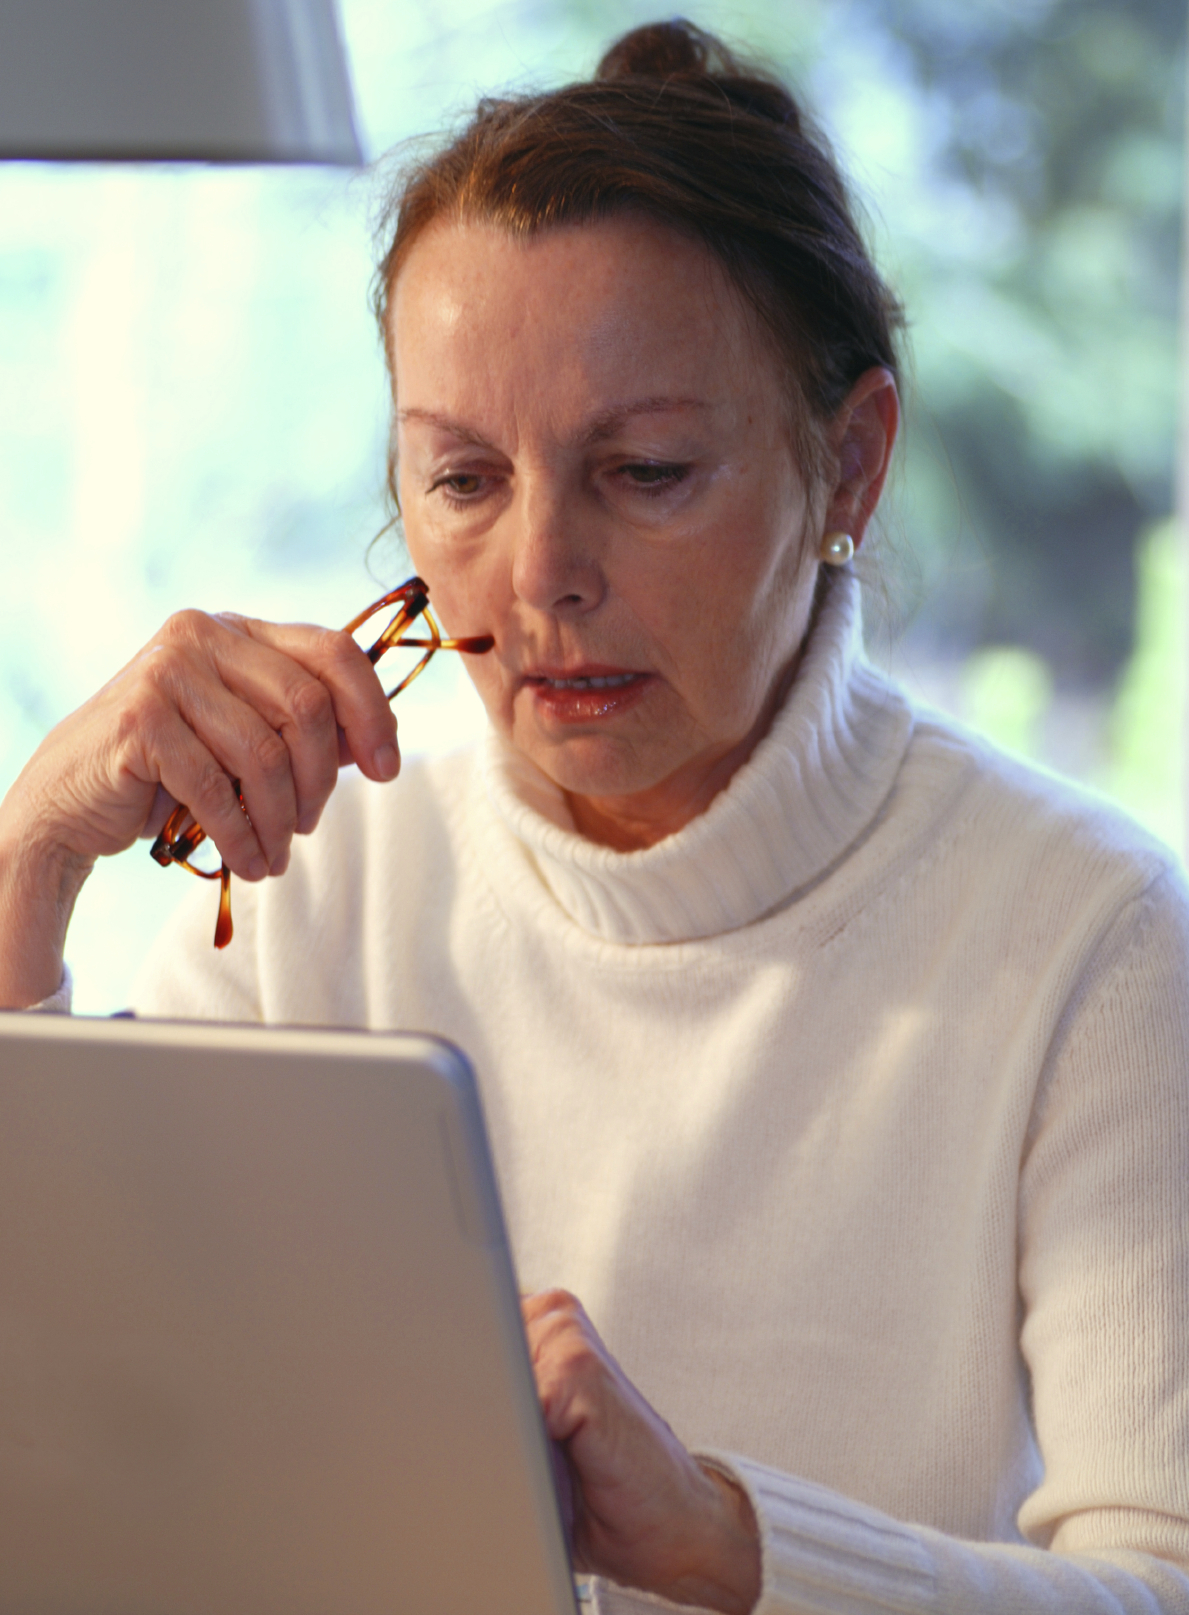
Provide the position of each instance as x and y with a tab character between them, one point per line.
676	126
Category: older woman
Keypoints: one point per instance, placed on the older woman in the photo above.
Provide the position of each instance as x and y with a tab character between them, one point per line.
837	1063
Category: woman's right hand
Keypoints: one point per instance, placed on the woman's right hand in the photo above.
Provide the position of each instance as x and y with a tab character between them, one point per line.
210	699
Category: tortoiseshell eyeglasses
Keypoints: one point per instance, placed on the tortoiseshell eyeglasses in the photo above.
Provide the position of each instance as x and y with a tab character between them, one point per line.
182	835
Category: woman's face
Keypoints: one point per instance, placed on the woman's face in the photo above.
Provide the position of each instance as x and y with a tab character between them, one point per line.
595	465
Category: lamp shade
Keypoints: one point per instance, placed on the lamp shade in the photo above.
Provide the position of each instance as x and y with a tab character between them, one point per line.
202	80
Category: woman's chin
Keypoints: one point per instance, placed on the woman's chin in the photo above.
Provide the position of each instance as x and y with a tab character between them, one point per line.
600	766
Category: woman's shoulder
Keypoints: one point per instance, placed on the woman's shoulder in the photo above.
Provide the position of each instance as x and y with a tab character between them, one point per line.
1019	823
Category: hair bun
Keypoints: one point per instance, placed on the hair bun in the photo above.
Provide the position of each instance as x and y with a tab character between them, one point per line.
679	49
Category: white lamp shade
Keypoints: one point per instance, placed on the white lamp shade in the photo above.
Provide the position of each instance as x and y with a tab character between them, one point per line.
201	80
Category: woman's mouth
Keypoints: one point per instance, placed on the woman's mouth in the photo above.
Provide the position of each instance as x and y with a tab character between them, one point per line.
592	681
587	694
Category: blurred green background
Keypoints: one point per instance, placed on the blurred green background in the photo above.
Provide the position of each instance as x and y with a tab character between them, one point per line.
192	406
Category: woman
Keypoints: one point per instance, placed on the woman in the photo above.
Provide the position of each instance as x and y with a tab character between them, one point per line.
836	1062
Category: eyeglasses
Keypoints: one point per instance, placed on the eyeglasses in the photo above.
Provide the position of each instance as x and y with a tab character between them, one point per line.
182	835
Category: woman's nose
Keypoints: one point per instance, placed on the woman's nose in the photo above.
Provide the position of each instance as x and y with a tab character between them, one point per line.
555	562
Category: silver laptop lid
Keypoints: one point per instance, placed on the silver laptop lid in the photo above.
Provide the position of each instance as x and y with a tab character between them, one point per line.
260	1343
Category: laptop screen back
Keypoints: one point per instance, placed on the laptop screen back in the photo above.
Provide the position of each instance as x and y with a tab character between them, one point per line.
260	1345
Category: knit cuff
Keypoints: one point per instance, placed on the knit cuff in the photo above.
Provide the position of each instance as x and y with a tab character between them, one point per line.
607	1598
824	1555
59	1002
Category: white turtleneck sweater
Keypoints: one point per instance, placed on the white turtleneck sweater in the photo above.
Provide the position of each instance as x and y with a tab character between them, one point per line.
856	1114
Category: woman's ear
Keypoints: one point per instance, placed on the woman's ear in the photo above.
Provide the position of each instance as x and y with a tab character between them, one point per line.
863	436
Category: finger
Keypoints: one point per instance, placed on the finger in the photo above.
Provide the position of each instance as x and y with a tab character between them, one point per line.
570	1362
292	701
192	774
555	1321
188	697
549	1303
248	750
357	696
163	806
295	703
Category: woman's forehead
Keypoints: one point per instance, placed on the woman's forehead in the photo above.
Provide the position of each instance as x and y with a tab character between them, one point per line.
621	302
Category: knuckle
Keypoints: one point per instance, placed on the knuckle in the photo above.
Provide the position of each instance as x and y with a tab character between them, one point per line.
311	705
169	662
163	668
577	1357
140	717
560	1300
566	1305
271	755
338	645
336	648
212	792
189	627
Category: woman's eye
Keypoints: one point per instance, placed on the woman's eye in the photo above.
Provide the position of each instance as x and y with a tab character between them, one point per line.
651	476
460	485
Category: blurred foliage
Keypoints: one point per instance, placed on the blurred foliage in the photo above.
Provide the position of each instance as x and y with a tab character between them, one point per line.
1007	692
1146	772
1043	423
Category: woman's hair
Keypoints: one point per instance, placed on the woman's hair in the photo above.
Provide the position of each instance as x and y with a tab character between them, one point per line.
676	127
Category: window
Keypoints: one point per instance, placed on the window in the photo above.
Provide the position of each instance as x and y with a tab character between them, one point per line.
193	408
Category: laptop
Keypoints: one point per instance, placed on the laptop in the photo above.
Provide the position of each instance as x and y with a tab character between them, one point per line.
260	1341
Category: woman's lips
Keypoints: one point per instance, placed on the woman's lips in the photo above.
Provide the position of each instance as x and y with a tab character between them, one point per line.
587	694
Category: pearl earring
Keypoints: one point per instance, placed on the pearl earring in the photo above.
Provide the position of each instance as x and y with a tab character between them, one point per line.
836	549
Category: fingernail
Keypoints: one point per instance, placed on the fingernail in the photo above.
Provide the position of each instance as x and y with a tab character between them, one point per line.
257	869
386	762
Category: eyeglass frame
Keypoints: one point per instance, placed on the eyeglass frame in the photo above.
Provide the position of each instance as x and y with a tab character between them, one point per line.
176	844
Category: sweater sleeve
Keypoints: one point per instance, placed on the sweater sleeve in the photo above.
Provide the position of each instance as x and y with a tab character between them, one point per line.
826	1555
1103	1239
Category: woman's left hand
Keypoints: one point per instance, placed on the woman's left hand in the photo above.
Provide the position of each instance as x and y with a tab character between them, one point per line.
645	1512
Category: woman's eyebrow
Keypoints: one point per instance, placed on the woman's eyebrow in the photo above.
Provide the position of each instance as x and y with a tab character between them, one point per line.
604	425
444	423
611	420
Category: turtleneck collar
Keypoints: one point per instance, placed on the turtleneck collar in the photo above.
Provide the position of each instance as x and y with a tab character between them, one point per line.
809	790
